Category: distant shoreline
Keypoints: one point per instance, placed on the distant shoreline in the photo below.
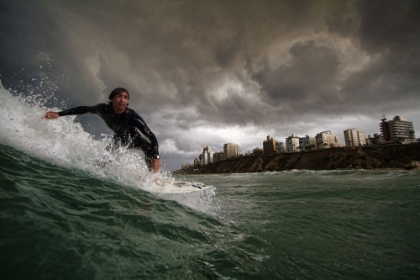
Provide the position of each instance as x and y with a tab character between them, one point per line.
379	157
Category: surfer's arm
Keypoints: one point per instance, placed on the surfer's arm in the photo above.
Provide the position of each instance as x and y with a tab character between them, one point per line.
51	115
155	165
73	111
139	123
78	111
153	152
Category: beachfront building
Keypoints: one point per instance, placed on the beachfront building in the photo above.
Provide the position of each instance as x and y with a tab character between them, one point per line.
354	137
307	143
218	156
384	128
197	162
207	155
231	150
397	130
292	144
373	140
269	145
326	139
280	148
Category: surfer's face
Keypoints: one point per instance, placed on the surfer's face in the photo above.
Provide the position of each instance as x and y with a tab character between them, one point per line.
120	102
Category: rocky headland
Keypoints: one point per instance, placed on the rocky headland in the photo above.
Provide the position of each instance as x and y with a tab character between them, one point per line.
366	157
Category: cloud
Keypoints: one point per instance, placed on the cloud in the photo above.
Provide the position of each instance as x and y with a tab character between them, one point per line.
196	70
309	78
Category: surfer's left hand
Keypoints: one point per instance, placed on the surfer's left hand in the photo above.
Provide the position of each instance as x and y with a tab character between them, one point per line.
51	115
156	165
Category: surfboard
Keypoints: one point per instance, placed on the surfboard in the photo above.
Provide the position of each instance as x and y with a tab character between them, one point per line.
172	186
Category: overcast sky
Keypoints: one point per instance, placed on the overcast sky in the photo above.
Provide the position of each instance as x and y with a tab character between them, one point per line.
206	73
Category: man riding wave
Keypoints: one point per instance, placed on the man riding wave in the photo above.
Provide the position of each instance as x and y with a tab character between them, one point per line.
129	129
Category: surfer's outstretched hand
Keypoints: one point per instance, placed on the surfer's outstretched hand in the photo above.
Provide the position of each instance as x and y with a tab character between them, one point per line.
51	115
155	165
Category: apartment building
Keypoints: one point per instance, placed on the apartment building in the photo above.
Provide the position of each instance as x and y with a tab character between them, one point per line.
269	145
218	156
280	147
231	150
207	155
326	139
354	137
292	144
397	130
307	143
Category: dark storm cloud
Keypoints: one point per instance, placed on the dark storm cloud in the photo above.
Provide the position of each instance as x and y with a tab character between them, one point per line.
196	67
387	25
389	33
309	78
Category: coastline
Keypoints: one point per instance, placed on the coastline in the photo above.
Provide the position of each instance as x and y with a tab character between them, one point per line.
379	157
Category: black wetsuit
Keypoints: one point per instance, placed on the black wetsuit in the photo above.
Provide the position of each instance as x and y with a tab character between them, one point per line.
129	128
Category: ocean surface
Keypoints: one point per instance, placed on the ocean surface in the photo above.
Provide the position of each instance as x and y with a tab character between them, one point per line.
68	210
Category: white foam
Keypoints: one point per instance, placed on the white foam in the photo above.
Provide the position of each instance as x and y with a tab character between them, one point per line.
64	142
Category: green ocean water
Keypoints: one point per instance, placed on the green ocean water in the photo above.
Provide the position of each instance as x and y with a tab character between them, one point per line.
66	223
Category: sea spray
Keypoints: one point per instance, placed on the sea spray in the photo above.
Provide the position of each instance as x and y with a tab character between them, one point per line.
64	142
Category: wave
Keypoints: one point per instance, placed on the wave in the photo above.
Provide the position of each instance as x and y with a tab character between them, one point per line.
64	142
64	222
61	222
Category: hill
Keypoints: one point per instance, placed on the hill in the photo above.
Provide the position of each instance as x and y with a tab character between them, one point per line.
367	157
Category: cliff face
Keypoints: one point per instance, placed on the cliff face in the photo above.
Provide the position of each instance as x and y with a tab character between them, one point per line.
368	157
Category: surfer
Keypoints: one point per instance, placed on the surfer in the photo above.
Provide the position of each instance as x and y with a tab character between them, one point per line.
129	128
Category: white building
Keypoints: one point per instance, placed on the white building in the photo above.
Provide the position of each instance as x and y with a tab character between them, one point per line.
354	137
207	155
292	144
326	139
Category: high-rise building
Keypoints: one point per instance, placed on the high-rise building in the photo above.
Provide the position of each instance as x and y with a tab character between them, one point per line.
207	155
292	144
326	139
231	150
354	137
307	143
269	145
384	128
397	130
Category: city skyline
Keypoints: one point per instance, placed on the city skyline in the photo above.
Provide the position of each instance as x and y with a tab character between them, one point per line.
342	143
